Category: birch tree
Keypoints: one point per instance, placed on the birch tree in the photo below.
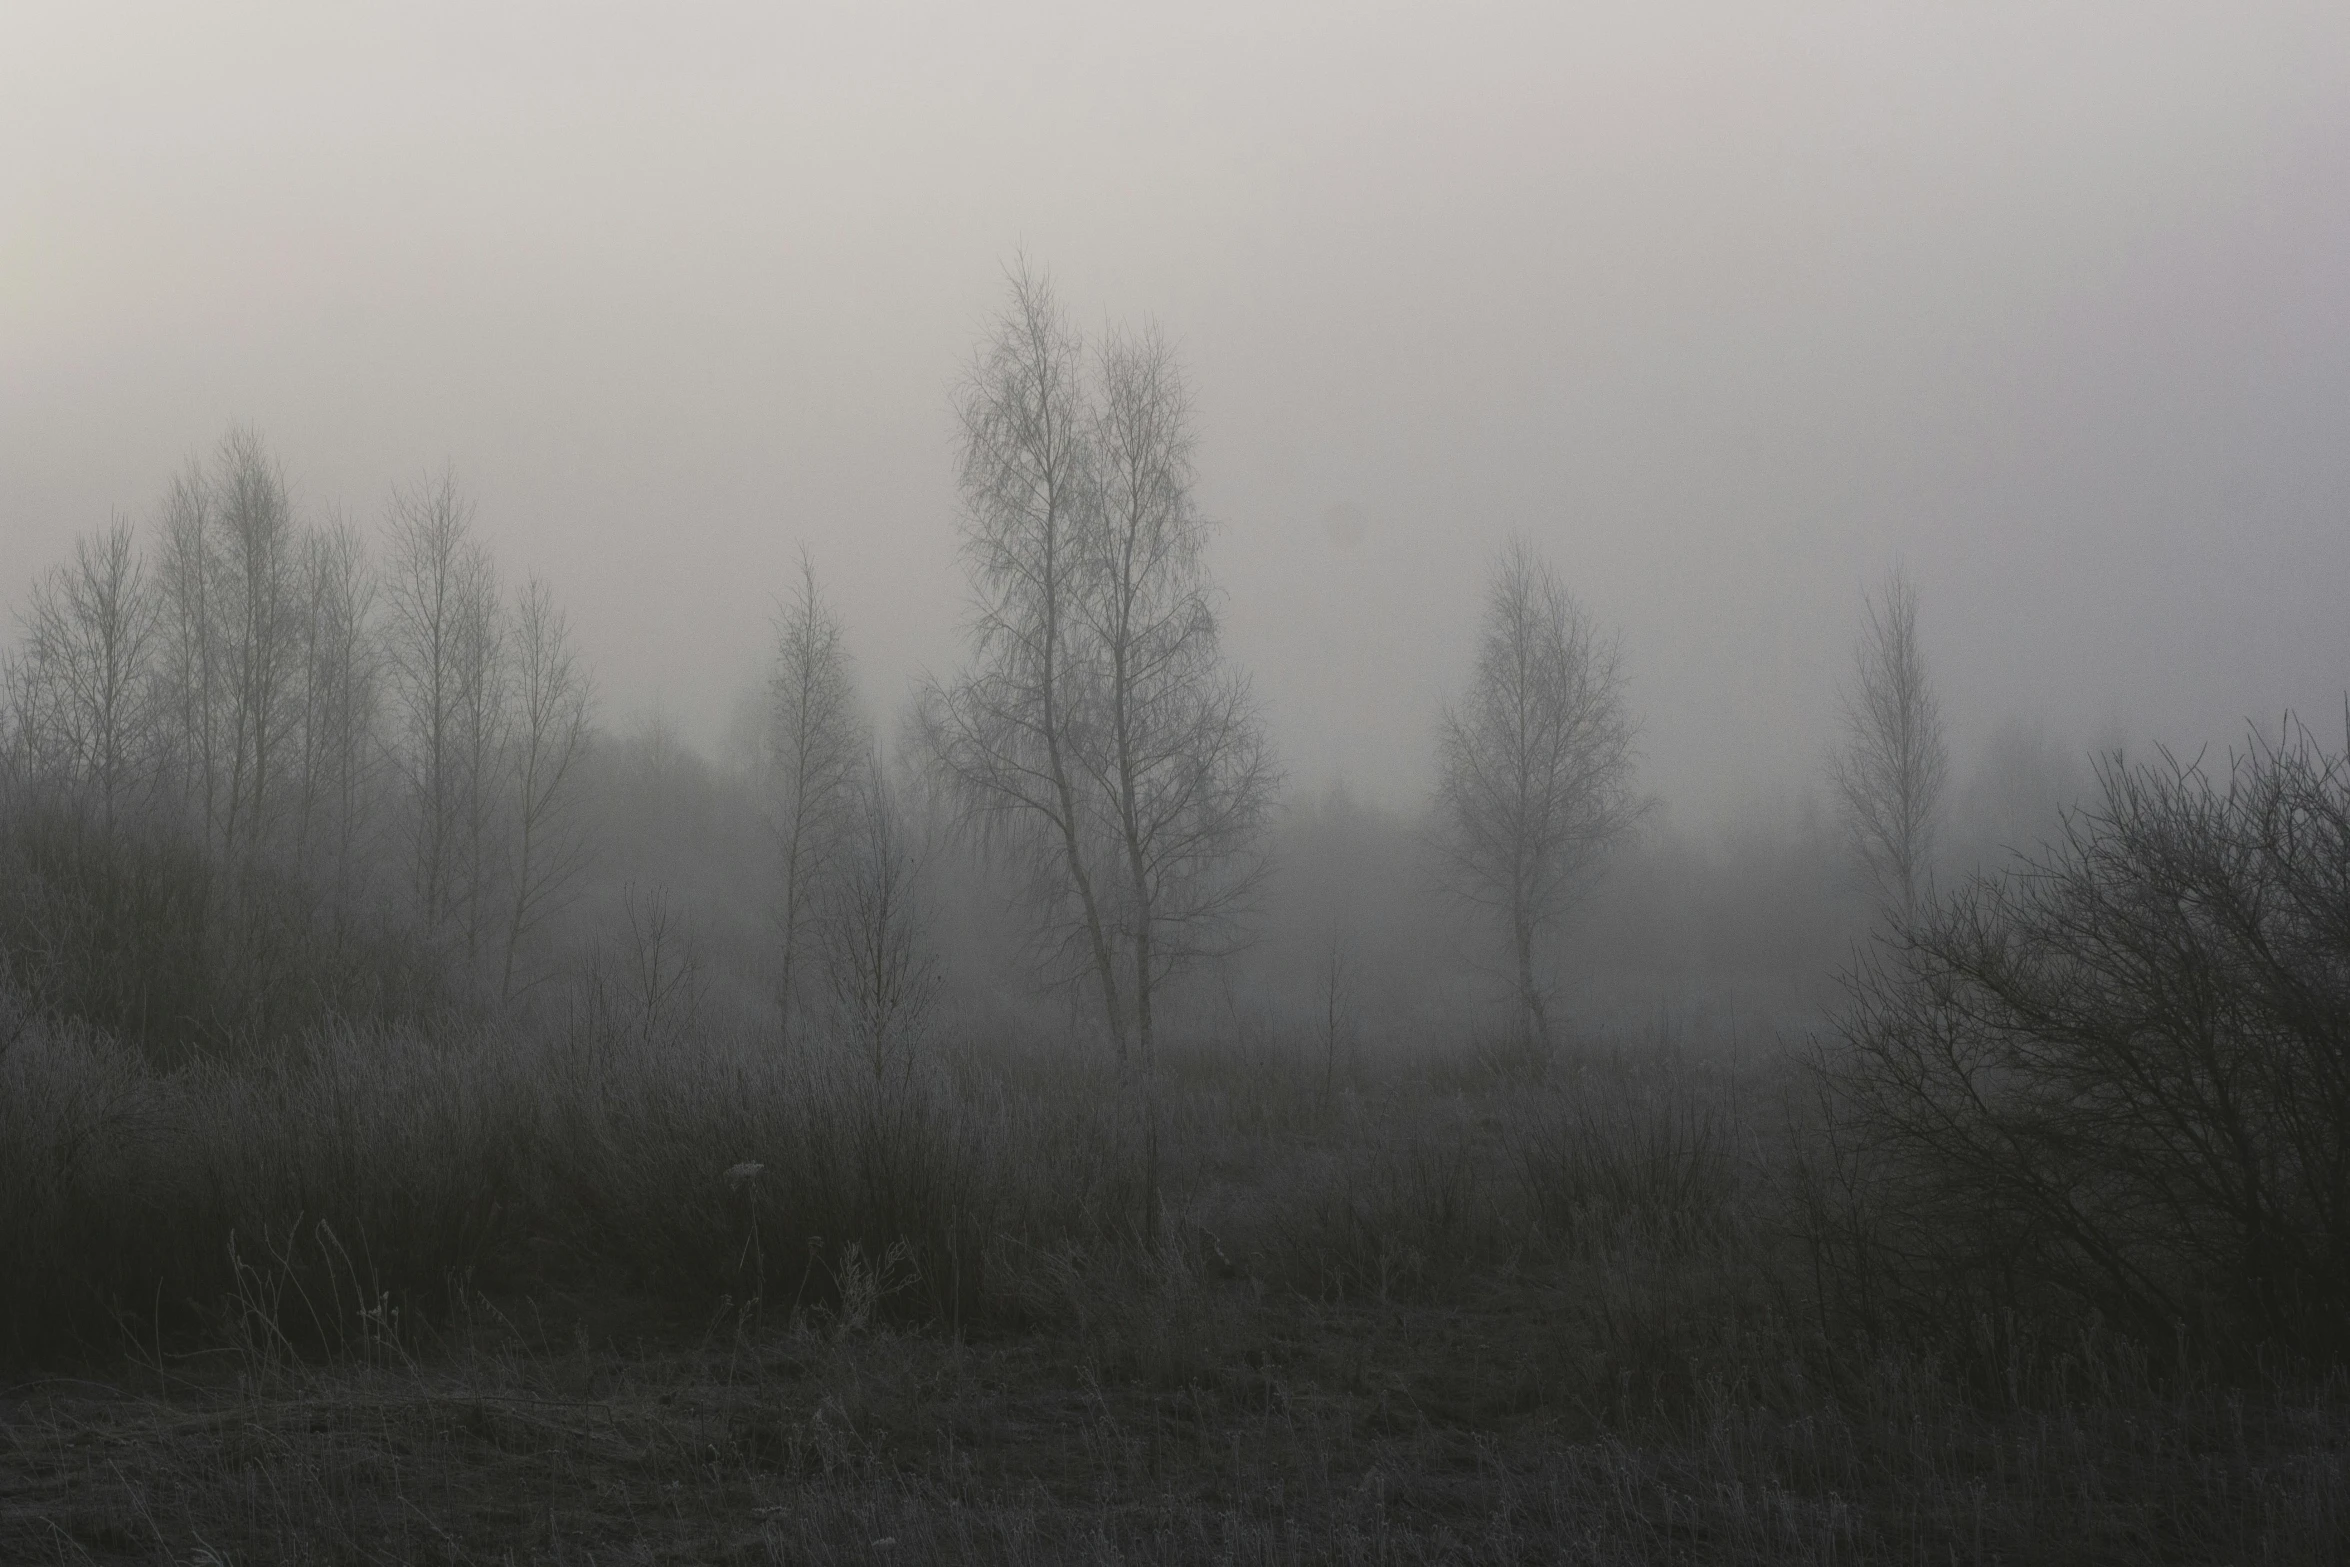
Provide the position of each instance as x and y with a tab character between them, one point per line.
879	969
550	733
1175	752
231	613
817	745
1099	734
84	679
442	645
188	680
339	699
261	619
1890	771
1006	732
1535	769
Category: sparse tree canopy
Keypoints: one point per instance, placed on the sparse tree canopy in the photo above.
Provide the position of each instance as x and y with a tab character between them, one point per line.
817	747
879	968
444	649
82	695
254	777
1890	771
230	607
1099	734
1535	767
550	733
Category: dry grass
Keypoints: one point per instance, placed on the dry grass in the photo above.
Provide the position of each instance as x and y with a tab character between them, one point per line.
498	1299
1244	1429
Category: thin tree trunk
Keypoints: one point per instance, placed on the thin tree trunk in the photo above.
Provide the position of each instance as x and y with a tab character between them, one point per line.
1105	961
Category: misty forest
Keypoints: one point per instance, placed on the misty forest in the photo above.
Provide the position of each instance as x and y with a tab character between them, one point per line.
374	1013
1534	1012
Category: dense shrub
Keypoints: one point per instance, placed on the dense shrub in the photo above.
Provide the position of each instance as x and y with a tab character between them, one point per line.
131	929
2119	1075
407	1169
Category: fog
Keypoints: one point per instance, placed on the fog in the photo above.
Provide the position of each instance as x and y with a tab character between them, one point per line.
1033	782
1728	309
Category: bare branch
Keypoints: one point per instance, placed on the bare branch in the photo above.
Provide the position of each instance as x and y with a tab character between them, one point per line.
1536	767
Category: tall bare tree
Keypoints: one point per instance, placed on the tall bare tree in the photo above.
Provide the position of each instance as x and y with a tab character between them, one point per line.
89	642
1006	732
484	730
1174	747
339	699
879	968
1099	732
231	608
196	753
816	750
188	676
1535	768
1890	771
550	733
442	643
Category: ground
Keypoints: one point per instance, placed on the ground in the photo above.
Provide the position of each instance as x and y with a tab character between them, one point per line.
1219	1421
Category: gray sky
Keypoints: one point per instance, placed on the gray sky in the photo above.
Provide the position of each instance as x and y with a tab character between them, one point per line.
1728	307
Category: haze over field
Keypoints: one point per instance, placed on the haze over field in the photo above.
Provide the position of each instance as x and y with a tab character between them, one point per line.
1021	782
1727	308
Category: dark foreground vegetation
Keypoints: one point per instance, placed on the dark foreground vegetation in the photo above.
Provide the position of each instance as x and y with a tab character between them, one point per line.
2034	1259
2035	1253
453	1300
431	1130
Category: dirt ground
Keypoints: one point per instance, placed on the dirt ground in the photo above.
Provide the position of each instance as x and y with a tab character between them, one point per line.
1225	1423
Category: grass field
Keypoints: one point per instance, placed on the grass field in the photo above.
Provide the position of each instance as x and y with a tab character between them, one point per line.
520	1298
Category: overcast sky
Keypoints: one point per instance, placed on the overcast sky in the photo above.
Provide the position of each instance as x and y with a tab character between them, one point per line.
1727	307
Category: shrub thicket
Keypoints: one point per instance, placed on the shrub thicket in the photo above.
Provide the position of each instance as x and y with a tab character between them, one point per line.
2117	1079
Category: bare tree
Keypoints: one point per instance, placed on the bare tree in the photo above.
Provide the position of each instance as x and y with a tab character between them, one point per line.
442	640
84	679
20	696
1338	1001
198	742
878	964
1535	779
1099	734
1176	750
338	708
188	677
260	570
1006	733
550	732
484	727
231	612
817	747
645	985
1890	771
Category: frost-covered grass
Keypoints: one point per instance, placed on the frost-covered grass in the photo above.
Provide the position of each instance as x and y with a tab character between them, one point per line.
576	1292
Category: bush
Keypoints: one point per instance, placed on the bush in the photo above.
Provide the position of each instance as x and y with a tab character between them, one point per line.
2119	1075
410	1170
131	929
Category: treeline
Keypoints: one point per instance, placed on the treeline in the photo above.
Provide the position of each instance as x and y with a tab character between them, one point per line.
258	771
262	780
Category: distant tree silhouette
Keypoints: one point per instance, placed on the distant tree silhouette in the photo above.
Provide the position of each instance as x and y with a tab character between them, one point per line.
1099	733
1890	771
1534	768
817	747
